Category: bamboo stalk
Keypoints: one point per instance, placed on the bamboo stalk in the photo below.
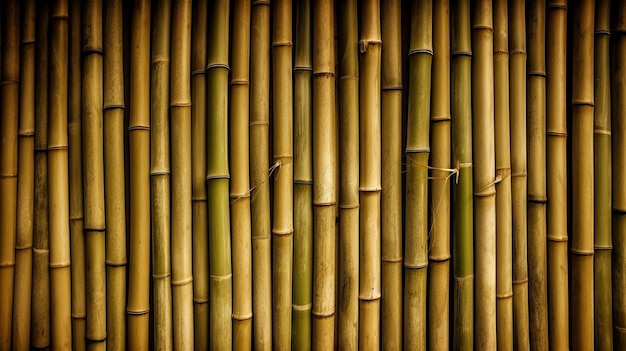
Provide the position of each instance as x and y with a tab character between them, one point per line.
348	304
240	177
439	246
603	242
303	180
517	111
558	300
138	307
259	175
220	279
463	232
324	176
582	247
417	155
20	338
537	197
369	176
114	180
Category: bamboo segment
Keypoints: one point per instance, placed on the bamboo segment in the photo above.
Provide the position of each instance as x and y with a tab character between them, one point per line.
20	338
138	307
370	46
439	252
303	180
463	232
417	153
114	181
603	242
325	170
348	336
517	114
391	201
259	175
220	279
9	93
537	197
240	178
582	247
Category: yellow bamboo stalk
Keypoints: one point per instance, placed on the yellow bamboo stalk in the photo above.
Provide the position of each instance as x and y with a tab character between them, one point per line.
370	46
582	248
20	338
558	300
138	306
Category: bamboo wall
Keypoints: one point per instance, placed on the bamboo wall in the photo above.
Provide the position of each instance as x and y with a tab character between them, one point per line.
313	174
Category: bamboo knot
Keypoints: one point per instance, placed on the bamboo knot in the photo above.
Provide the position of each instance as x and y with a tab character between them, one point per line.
182	282
138	127
324	74
520	281
220	278
113	106
197	72
392	88
276	44
7	264
242	317
392	260
137	312
603	32
602	131
27	133
488	189
557	6
217	65
301	307
282	232
58	147
420	51
321	315
112	264
92	50
79	316
603	248
536	74
302	68
577	252
560	239
59	265
28	42
9	81
461	53
348	77
445	118
258	123
437	259
374	296
537	200
8	175
583	103
343	206
410	266
95	339
239	82
364	44
199	301
260	2
504	296
556	133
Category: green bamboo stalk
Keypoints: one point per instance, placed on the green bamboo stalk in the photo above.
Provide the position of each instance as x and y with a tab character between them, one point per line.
558	300
240	177
537	197
325	171
20	338
348	304
517	111
259	175
439	252
417	155
603	242
463	226
138	307
303	180
220	280
582	248
370	46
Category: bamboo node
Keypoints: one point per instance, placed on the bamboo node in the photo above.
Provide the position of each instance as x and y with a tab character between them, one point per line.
261	237
57	147
138	312
282	232
138	127
95	340
603	248
348	77
112	264
375	296
519	174
281	43
364	44
9	81
556	133
461	53
602	131
418	266
557	6
537	199
520	281
504	296
160	173
324	74
197	72
343	206
8	175
244	82
443	258
306	307
392	87
578	252
180	104
217	177
446	118
503	173
621	330
161	276
92	51
236	197
220	278
160	58
38	250
536	74
558	239
321	315
303	182
583	103
258	123
198	199
113	106
488	189
420	51
59	265
603	32
217	65
392	260
24	247
182	282
199	301
27	133
260	2
243	317
7	264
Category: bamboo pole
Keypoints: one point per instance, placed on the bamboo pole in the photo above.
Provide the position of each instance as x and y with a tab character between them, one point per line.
417	155
463	226
303	180
370	46
348	304
20	337
240	177
9	113
325	170
40	296
138	307
439	245
582	247
537	197
114	180
603	242
259	175
558	300
517	111
220	279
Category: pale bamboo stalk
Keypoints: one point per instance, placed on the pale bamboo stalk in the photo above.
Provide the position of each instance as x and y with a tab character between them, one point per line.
240	177
20	330
370	46
220	279
303	180
40	296
463	226
417	158
439	230
603	243
325	170
348	304
582	248
537	196
9	113
259	175
517	111
114	180
558	299
138	303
